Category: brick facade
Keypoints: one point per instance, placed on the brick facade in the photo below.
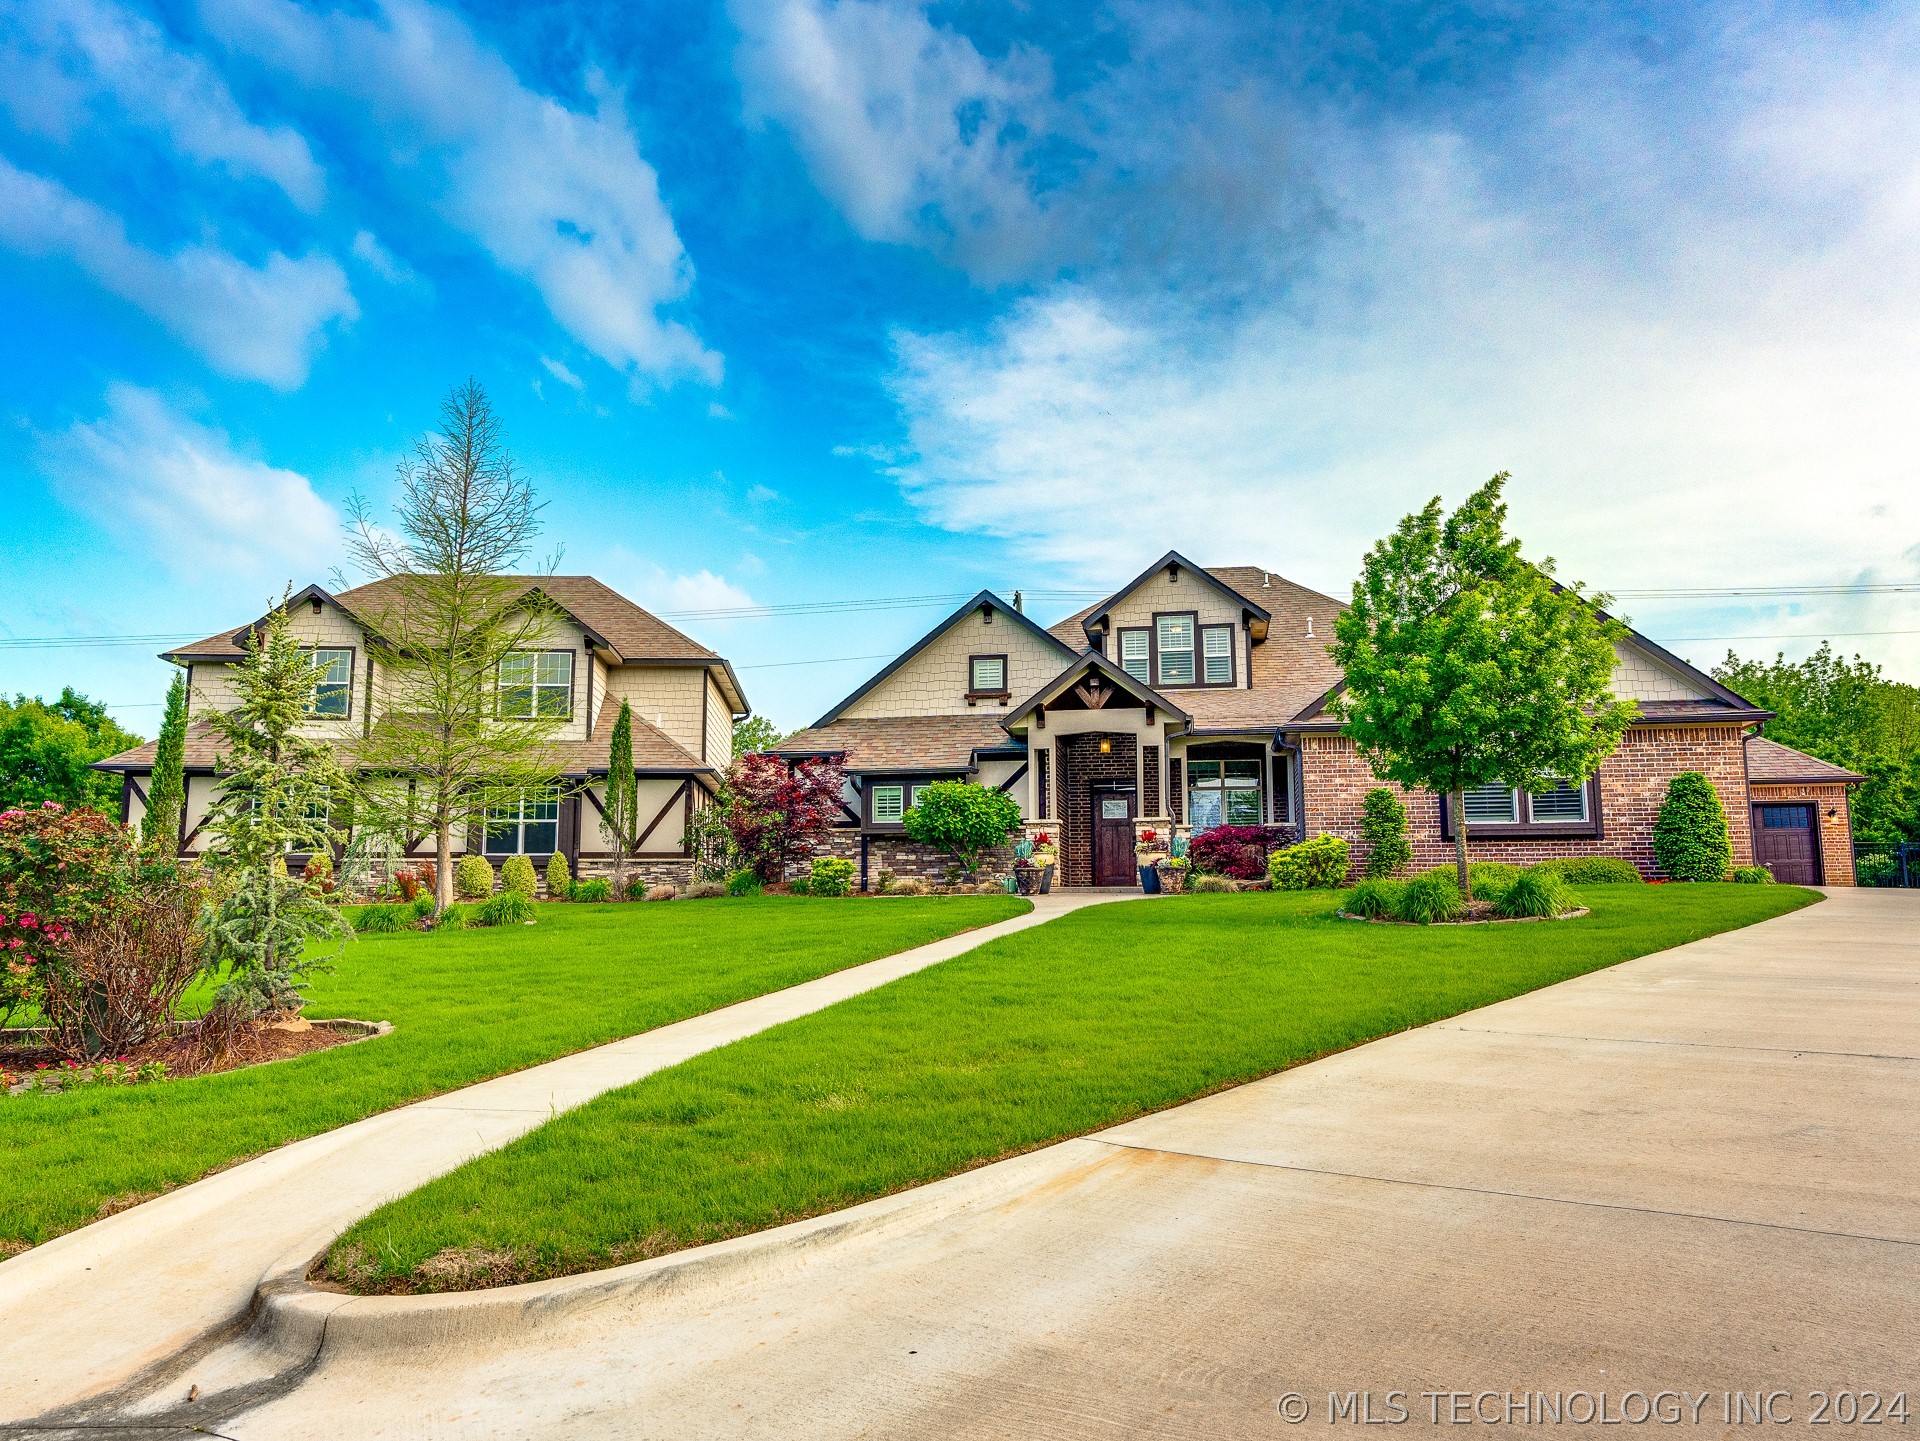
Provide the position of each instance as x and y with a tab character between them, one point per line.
1149	781
1633	783
1829	803
1081	765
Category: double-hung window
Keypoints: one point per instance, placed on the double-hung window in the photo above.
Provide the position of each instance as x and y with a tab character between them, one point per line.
530	826
537	685
333	682
1223	793
987	675
1216	654
1175	638
1136	653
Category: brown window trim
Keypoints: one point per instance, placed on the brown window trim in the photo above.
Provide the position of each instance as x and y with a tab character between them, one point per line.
1005	692
1526	828
906	780
573	687
1153	650
353	669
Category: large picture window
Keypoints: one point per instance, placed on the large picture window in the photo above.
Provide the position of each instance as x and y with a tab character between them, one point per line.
537	685
1174	634
529	827
333	682
1223	793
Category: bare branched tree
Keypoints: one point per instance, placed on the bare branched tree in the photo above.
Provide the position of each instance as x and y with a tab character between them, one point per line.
450	626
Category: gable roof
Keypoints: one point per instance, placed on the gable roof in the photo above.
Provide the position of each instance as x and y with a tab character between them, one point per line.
1065	631
1770	763
609	619
1091	663
984	598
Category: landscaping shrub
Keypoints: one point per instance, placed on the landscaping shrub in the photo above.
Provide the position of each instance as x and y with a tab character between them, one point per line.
414	882
559	879
907	886
509	908
1383	828
662	892
473	878
1752	876
799	886
1595	871
1488	880
1875	868
1428	898
1236	851
1374	897
453	918
705	891
1535	892
422	906
883	882
597	888
1317	864
962	818
1207	883
384	919
831	876
1690	834
744	882
319	871
517	875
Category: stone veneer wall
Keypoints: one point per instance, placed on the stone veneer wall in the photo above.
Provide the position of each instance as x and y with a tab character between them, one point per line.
1836	830
674	871
904	857
1633	783
1081	764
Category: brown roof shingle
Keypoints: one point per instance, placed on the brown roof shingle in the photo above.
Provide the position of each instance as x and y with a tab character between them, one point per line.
1770	763
903	743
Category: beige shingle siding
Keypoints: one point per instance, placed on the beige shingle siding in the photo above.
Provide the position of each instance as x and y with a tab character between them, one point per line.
667	697
1189	593
719	748
935	681
1638	676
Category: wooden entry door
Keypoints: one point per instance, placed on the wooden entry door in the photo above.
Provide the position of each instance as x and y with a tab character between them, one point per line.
1783	842
1113	863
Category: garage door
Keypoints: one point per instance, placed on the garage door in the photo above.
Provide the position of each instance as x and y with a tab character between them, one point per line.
1783	842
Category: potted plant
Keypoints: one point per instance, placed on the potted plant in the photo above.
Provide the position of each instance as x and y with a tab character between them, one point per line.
1173	875
1149	852
1045	860
1026	875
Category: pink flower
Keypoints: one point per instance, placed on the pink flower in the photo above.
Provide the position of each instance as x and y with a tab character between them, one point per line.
51	806
28	920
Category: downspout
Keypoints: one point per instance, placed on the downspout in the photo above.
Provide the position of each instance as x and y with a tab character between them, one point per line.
864	840
1296	780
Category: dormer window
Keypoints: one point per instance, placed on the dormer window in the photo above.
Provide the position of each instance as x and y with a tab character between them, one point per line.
987	677
1175	639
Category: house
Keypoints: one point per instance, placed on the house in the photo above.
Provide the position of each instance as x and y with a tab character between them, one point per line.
1195	697
596	649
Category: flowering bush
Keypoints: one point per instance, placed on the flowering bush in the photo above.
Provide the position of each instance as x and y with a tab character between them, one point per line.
1236	851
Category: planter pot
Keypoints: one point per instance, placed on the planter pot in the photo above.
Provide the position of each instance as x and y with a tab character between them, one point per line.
1150	880
1027	880
1046	879
1173	880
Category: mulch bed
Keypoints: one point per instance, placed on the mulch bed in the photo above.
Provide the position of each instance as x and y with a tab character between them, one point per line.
269	1041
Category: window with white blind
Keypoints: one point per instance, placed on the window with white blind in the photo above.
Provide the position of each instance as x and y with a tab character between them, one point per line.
1492	805
1175	639
537	685
1136	654
1223	793
1216	654
1565	803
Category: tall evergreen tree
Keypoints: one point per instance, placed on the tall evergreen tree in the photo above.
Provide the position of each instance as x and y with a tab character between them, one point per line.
167	787
623	796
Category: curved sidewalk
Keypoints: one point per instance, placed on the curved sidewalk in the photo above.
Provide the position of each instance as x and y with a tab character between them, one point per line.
90	1310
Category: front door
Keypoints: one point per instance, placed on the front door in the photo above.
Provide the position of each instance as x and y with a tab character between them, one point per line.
1113	863
1783	842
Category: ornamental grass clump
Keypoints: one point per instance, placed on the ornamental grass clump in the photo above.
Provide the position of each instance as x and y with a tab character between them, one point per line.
1690	841
1752	876
473	878
1430	898
384	919
746	882
1534	892
1373	898
509	908
1488	880
518	876
596	888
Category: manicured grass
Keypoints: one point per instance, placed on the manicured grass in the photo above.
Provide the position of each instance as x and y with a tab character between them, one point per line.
1100	1016
465	1005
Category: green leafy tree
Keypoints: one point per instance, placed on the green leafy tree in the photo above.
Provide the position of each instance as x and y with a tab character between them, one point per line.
276	789
622	817
47	749
1690	841
444	621
963	819
1466	666
167	786
756	736
1383	829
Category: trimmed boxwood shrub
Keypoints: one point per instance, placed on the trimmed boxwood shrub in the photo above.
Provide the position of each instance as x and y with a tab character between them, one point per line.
509	908
1317	864
559	878
517	875
1535	892
1690	835
473	878
1432	897
830	876
1374	897
1594	871
1383	827
1753	875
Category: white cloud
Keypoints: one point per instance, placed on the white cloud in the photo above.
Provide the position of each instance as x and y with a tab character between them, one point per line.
558	196
672	594
69	60
560	373
256	322
904	125
180	489
368	250
1693	334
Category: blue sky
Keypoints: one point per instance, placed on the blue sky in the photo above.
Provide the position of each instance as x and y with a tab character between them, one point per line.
815	300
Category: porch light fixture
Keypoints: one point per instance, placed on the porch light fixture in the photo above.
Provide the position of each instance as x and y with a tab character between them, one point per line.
1106	748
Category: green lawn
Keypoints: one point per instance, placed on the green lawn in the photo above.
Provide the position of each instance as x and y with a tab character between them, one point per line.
465	1005
1100	1016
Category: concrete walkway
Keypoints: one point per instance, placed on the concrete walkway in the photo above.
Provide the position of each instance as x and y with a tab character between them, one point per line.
91	1309
1697	1172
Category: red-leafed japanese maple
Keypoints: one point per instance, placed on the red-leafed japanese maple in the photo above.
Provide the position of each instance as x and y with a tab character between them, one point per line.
776	810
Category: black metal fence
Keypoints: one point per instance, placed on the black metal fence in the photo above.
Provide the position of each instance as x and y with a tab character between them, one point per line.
1887	865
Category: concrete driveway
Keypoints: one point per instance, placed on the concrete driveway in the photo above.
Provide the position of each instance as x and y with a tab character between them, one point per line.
1633	1193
